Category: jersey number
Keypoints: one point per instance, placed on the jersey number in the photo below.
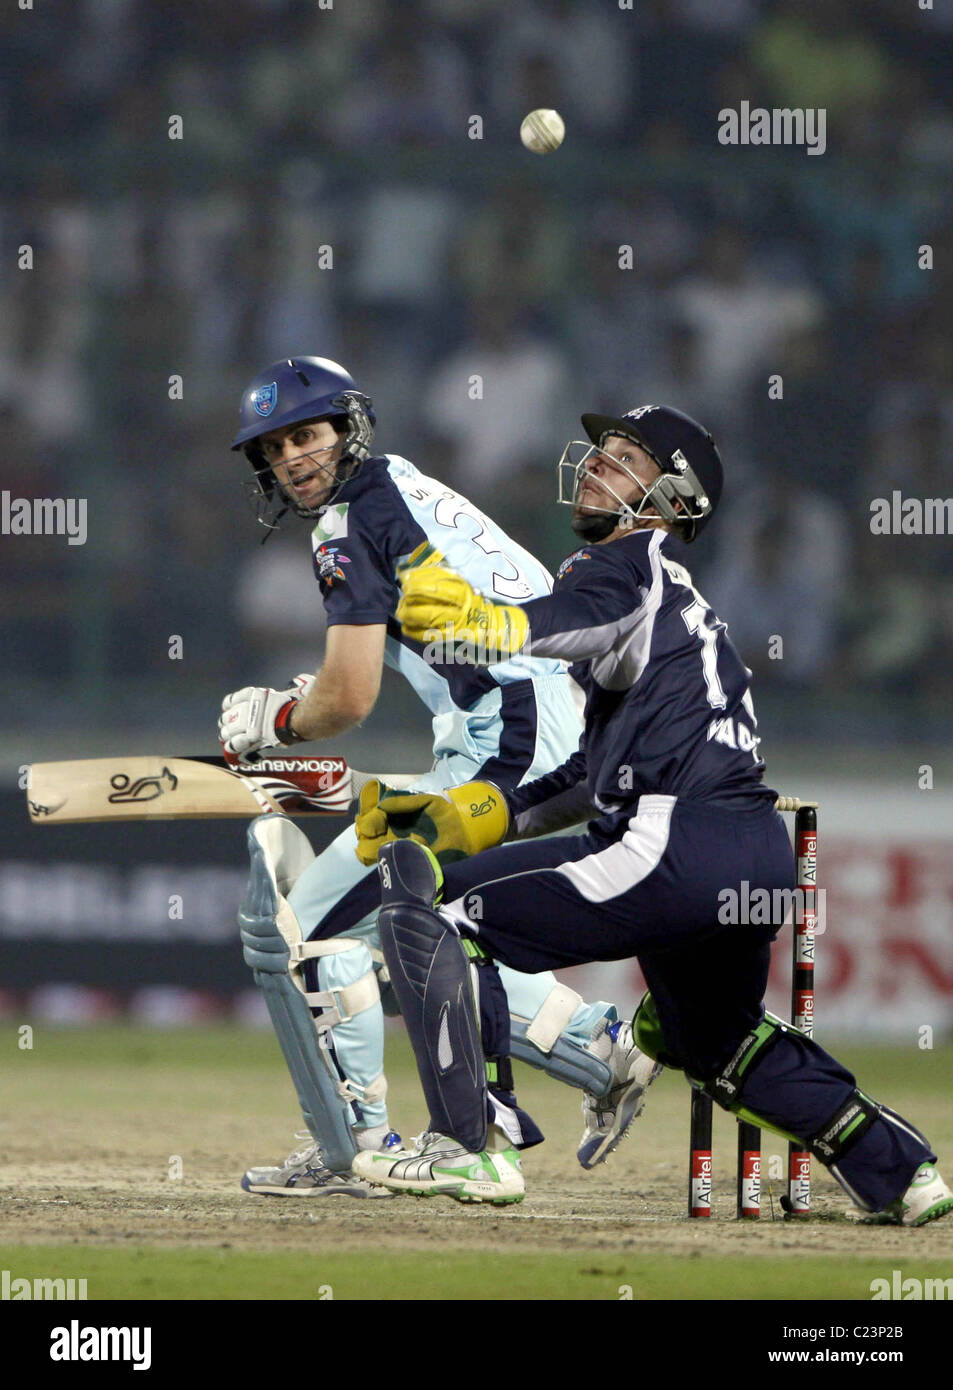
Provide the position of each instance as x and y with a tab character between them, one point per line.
695	618
514	585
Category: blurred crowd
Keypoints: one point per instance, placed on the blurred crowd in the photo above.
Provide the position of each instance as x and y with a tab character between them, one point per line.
326	198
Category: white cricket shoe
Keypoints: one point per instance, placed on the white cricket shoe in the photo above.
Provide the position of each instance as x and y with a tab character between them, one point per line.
303	1174
607	1117
925	1199
439	1166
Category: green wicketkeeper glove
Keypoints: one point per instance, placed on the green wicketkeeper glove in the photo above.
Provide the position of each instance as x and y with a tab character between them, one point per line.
453	824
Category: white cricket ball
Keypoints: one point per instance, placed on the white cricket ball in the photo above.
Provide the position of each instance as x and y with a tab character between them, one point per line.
542	131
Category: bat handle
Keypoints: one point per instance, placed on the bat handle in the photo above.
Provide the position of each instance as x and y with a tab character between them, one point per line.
238	761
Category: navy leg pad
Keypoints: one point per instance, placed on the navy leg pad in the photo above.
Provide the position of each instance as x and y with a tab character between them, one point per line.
435	983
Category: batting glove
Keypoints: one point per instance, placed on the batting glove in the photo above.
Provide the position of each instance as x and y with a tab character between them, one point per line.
257	717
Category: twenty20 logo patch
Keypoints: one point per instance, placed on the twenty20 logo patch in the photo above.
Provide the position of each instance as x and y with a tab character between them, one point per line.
328	561
570	560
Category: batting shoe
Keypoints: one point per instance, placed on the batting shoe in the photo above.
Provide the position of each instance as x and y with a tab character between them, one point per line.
927	1198
304	1175
607	1117
439	1166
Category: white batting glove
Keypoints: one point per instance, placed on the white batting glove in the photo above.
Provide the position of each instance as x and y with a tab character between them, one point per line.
257	717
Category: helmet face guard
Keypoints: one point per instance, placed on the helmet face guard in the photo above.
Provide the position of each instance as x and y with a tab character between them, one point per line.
663	493
684	494
296	391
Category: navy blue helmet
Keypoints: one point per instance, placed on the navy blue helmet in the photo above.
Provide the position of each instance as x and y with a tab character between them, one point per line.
287	393
692	472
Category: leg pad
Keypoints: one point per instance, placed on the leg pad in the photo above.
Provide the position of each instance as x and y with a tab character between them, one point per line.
271	936
436	986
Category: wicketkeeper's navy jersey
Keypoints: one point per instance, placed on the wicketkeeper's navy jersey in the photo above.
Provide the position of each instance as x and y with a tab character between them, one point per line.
668	707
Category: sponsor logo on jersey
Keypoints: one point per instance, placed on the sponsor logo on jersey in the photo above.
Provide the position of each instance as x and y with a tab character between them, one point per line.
332	523
328	561
265	398
570	560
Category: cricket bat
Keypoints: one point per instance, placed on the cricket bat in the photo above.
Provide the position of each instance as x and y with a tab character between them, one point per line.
159	788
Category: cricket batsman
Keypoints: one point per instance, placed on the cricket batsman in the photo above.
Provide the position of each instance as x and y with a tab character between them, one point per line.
309	923
669	775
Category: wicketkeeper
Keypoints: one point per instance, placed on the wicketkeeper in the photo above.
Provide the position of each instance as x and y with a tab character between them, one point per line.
669	775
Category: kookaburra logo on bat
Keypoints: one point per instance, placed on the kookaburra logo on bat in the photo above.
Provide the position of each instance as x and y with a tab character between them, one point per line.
143	788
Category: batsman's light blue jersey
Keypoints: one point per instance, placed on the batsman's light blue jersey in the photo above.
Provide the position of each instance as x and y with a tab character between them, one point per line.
511	725
507	720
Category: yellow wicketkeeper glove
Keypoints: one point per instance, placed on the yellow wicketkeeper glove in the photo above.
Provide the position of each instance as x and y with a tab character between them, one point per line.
452	824
439	606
